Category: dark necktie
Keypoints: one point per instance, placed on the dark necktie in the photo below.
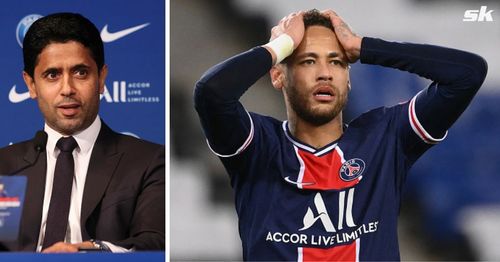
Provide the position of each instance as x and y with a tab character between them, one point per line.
57	218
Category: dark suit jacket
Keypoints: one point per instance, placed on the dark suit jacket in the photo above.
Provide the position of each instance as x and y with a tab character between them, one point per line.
124	194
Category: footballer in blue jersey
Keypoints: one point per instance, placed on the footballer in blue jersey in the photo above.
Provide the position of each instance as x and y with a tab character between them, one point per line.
312	188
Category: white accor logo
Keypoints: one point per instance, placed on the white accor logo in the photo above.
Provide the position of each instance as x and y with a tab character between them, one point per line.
119	92
345	213
110	37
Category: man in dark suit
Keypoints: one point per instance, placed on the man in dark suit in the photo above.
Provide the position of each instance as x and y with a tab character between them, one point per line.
115	197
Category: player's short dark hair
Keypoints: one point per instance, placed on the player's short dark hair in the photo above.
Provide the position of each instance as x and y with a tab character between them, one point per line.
61	28
314	17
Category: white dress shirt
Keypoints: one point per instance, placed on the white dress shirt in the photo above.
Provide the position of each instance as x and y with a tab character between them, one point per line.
81	155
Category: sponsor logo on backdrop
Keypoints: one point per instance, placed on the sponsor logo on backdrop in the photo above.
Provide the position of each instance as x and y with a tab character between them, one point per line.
108	37
130	134
24	25
16	97
129	92
118	92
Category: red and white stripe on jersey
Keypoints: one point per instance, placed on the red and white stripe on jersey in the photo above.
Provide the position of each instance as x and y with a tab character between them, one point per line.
418	128
321	172
242	147
319	169
349	252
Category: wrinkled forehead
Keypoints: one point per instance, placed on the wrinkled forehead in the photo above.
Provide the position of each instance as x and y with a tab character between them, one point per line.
321	41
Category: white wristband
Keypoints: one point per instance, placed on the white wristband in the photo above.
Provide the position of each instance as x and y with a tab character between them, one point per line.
282	47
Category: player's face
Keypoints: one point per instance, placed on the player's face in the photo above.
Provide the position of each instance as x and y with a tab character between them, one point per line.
317	76
67	86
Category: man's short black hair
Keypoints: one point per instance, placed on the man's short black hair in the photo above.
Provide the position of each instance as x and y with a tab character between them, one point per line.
314	17
61	28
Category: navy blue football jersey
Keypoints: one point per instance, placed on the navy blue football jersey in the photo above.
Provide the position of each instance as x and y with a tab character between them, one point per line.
339	202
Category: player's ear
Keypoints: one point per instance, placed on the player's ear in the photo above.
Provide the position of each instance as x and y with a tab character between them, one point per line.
277	76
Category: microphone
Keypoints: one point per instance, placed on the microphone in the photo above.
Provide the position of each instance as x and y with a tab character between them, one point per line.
39	143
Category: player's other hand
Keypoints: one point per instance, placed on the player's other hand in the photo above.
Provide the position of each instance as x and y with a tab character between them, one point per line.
292	25
349	40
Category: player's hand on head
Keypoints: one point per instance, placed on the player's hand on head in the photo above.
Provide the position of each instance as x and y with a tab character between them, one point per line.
292	25
348	39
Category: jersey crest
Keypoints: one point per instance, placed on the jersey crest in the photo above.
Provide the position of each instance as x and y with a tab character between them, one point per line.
352	169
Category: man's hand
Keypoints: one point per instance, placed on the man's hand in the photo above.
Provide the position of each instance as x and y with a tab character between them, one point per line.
61	247
349	40
292	25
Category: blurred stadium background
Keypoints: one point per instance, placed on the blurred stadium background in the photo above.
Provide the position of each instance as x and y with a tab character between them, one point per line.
451	209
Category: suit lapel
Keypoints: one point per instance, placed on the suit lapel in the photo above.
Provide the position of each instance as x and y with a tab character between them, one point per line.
33	202
103	162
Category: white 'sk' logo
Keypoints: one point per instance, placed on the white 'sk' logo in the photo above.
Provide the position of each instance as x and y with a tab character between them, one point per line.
344	212
481	15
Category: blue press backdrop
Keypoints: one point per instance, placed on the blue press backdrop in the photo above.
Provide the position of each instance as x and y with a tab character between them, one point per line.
134	100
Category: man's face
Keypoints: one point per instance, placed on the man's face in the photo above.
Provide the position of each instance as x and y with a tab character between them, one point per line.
67	86
316	77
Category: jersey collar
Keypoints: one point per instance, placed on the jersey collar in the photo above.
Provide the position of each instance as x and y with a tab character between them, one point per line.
304	146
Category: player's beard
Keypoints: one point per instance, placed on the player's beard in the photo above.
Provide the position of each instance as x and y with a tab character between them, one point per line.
301	105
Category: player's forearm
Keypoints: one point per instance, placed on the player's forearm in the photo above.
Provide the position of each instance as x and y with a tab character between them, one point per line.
457	76
225	122
451	67
228	80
